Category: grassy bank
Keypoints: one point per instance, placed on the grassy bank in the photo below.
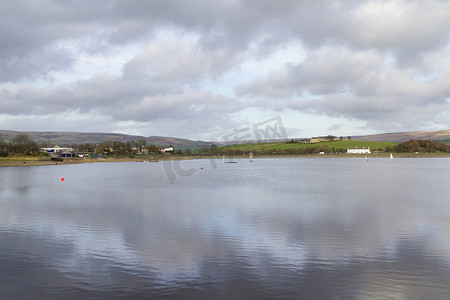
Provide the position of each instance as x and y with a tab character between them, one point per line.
341	155
24	161
286	147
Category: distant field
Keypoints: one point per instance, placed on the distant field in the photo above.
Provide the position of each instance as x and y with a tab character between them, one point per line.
191	148
282	146
447	142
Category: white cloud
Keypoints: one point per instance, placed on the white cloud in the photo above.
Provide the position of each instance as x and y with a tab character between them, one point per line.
179	61
362	85
404	26
140	62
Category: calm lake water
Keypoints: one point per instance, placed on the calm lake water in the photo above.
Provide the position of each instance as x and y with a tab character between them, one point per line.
312	228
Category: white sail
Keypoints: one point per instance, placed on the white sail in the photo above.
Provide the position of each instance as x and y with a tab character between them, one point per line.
392	156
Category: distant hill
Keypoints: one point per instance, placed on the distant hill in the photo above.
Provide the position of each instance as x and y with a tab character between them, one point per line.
161	140
394	137
398	137
70	138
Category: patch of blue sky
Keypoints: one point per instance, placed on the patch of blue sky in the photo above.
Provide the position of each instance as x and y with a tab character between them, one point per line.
426	77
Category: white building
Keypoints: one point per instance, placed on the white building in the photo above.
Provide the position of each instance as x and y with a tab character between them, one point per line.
167	149
358	150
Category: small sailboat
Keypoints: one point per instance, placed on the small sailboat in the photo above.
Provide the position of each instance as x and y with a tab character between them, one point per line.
391	156
250	156
367	159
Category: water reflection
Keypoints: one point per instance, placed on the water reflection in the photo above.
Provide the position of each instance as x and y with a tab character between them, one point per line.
273	228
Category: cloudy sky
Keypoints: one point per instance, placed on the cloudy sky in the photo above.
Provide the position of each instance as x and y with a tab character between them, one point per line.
200	69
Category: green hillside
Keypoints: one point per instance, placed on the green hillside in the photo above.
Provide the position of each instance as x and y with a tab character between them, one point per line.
301	148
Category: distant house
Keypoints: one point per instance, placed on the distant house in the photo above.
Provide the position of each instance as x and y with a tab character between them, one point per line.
167	149
358	150
314	140
318	139
139	150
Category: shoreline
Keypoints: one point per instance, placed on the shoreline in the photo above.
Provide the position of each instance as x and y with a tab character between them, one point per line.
41	161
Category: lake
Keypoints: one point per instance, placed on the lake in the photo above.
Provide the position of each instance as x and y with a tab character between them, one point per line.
286	228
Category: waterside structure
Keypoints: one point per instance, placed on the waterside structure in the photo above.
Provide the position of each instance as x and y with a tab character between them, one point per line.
358	150
58	153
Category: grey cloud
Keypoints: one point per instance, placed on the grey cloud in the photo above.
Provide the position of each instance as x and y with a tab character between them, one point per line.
177	61
31	63
101	105
158	83
388	113
335	126
31	35
30	32
369	60
403	28
362	85
324	71
82	95
349	106
115	97
64	122
186	105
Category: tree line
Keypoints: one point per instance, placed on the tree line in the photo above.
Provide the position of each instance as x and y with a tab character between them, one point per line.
123	148
262	150
405	147
23	144
19	144
413	146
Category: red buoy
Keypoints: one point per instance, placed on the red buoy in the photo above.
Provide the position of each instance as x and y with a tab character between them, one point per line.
62	178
